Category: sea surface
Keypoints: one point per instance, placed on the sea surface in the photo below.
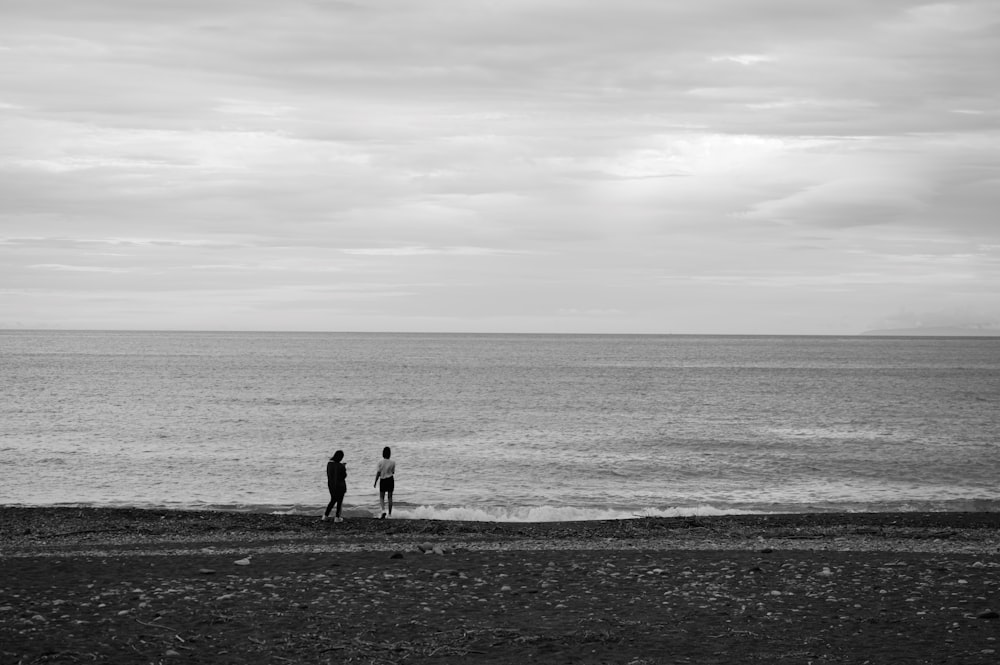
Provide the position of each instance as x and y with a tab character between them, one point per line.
501	427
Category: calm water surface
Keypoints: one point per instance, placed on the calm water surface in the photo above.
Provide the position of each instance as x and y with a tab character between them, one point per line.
513	427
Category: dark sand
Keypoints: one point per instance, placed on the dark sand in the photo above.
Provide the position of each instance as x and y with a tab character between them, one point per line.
135	586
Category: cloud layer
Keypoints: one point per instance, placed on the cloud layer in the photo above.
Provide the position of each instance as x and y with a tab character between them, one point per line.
727	166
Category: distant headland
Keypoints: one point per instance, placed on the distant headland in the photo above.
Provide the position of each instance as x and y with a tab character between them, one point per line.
939	331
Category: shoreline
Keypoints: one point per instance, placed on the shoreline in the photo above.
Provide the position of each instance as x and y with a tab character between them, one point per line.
46	531
159	586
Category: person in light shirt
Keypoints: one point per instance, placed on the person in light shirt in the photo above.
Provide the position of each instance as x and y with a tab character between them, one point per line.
385	479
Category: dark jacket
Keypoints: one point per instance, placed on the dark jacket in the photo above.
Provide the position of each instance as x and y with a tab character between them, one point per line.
336	477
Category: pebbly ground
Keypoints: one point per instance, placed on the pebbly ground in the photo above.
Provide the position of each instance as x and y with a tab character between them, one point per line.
148	587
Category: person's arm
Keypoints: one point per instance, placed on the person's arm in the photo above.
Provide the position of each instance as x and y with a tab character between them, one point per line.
378	474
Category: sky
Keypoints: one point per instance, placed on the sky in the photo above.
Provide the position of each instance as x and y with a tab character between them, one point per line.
551	166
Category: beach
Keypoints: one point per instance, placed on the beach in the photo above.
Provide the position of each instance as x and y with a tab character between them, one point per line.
152	586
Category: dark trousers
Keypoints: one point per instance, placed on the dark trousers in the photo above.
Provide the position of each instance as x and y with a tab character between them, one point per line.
335	500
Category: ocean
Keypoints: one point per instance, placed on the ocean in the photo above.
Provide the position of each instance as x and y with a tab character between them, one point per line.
501	427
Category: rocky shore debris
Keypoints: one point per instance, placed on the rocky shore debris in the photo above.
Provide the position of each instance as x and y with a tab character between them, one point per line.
431	548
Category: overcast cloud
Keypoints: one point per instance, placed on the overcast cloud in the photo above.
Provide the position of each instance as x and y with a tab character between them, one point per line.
649	166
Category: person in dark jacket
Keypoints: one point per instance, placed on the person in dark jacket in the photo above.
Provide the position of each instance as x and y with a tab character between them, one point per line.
336	481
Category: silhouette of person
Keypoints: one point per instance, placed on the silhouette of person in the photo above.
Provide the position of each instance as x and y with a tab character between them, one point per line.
336	481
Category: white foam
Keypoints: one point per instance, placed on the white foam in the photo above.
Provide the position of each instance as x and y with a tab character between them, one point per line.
553	513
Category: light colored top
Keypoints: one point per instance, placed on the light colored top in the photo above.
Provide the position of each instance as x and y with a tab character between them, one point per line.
386	467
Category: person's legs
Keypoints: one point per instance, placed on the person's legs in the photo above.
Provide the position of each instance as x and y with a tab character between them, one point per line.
340	505
390	503
329	506
381	501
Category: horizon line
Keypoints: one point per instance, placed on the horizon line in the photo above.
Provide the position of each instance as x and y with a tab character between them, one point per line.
928	331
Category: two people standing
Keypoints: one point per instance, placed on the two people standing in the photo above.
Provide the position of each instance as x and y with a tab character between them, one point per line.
336	480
